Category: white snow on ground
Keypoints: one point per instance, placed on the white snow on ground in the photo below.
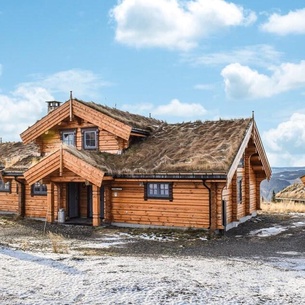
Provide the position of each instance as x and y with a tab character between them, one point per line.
30	278
268	231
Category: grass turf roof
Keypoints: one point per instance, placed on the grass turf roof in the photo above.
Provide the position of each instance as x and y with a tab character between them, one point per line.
198	147
17	157
130	119
293	191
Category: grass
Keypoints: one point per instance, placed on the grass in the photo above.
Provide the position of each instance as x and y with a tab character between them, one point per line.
283	207
58	243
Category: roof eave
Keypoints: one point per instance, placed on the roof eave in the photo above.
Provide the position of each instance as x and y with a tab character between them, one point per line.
186	176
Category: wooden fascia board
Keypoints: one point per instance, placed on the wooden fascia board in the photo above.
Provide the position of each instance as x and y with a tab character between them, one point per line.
42	169
52	163
101	120
83	169
40	127
261	151
239	154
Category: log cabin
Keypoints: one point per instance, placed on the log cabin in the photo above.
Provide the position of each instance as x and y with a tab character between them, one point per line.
84	160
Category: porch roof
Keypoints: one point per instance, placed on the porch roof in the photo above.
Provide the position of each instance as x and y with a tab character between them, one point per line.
58	161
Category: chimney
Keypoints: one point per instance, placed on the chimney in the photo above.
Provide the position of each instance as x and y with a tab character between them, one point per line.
52	105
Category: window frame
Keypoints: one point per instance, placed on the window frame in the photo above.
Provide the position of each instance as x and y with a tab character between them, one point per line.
239	190
96	138
42	191
5	187
159	187
68	132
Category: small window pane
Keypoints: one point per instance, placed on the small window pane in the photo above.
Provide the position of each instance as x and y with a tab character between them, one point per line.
39	189
68	138
158	190
90	139
5	187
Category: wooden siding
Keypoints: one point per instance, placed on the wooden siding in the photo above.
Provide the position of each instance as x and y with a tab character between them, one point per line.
36	205
79	110
107	142
189	208
101	120
42	126
9	201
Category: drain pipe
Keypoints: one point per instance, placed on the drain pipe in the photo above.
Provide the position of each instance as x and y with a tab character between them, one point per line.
210	202
22	197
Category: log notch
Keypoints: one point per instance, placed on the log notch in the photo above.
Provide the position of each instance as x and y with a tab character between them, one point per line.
216	209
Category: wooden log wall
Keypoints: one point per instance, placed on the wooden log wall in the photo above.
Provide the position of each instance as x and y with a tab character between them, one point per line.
109	142
36	205
51	141
253	193
189	208
9	201
234	210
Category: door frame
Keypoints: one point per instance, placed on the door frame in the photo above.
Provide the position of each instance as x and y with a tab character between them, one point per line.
73	200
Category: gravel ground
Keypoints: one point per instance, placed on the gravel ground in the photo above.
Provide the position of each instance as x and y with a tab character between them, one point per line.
238	242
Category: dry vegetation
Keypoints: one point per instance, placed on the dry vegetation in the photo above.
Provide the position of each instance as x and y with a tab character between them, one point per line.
58	243
283	207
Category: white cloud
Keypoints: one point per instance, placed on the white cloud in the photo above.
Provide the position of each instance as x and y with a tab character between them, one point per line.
171	111
243	82
261	55
20	109
174	24
178	109
26	104
205	87
285	143
292	23
81	82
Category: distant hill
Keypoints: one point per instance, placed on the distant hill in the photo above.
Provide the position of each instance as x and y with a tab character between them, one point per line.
281	178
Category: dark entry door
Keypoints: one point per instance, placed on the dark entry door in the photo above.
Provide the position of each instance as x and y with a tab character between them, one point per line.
73	200
89	196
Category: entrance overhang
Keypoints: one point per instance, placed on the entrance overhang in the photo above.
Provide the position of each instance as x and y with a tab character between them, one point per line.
59	161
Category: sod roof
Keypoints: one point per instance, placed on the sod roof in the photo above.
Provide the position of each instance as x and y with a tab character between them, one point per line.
130	119
292	192
193	147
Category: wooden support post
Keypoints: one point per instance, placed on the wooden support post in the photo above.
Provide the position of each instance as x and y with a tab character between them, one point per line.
213	224
50	202
96	208
107	204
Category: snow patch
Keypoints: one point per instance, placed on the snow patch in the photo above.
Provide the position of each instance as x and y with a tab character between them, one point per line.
268	231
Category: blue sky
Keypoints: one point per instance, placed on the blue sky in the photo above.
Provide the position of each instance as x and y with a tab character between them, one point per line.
178	60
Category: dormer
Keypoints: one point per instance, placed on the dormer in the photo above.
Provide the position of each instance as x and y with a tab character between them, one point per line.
87	126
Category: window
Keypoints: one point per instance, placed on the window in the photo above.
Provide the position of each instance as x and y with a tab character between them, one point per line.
5	187
68	137
241	162
39	189
239	190
159	190
90	138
